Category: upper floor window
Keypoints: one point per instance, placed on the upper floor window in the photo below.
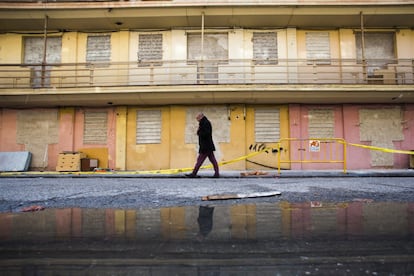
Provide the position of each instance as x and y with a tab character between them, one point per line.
379	49
149	49
98	48
214	47
265	47
34	53
34	49
318	49
207	51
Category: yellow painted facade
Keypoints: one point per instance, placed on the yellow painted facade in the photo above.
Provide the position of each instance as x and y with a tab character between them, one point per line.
174	152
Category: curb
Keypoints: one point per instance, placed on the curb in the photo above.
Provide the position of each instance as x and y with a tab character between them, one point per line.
225	174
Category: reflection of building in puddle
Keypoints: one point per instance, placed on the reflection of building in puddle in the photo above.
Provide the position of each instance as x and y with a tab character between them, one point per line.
222	222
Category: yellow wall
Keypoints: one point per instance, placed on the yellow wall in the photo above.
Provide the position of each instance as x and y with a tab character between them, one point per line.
121	138
10	48
148	156
237	146
182	154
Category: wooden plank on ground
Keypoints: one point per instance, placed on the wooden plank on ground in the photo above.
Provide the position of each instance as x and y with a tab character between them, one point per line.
240	196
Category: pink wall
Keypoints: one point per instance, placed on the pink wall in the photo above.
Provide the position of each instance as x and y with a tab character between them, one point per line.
347	126
299	125
408	130
70	134
357	158
8	131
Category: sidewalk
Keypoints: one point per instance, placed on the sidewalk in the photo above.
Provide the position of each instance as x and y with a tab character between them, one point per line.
223	174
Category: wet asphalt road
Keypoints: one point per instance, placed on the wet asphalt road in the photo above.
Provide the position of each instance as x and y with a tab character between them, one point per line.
143	192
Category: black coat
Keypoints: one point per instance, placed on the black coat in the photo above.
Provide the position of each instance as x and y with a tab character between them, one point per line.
205	139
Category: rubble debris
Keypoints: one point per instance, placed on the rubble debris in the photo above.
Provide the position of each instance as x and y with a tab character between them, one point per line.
33	208
253	173
364	200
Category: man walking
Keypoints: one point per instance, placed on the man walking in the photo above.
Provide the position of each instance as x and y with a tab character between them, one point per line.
206	146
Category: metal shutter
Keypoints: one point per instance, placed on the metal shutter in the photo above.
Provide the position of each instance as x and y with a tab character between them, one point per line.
265	47
267	125
148	129
98	48
321	123
149	48
318	47
95	128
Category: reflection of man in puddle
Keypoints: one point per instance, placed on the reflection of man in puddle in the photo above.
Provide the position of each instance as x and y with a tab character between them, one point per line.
205	221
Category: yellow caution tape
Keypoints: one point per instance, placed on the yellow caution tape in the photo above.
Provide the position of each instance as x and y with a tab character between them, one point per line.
182	170
164	171
381	149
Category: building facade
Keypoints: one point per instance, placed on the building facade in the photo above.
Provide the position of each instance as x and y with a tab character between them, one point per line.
123	81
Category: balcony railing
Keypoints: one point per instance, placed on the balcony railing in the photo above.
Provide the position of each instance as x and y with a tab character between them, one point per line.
208	72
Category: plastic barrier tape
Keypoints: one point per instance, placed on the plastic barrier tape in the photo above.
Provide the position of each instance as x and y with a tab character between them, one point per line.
149	172
381	149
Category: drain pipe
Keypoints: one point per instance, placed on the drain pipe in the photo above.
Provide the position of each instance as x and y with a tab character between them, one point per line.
364	62
202	35
44	52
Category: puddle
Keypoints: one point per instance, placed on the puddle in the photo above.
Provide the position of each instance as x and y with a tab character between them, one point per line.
311	238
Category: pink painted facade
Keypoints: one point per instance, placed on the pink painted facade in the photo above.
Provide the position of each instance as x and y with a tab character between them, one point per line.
70	135
347	126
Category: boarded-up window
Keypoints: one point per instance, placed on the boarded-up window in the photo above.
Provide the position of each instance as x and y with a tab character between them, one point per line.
33	50
149	49
321	123
95	128
215	46
213	52
265	47
33	54
148	127
318	48
267	125
379	49
98	48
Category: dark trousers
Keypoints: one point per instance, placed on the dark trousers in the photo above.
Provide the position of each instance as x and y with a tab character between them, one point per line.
202	157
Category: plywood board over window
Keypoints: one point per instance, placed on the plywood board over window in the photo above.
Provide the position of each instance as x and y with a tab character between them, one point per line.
33	54
149	125
379	49
207	54
267	125
95	129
